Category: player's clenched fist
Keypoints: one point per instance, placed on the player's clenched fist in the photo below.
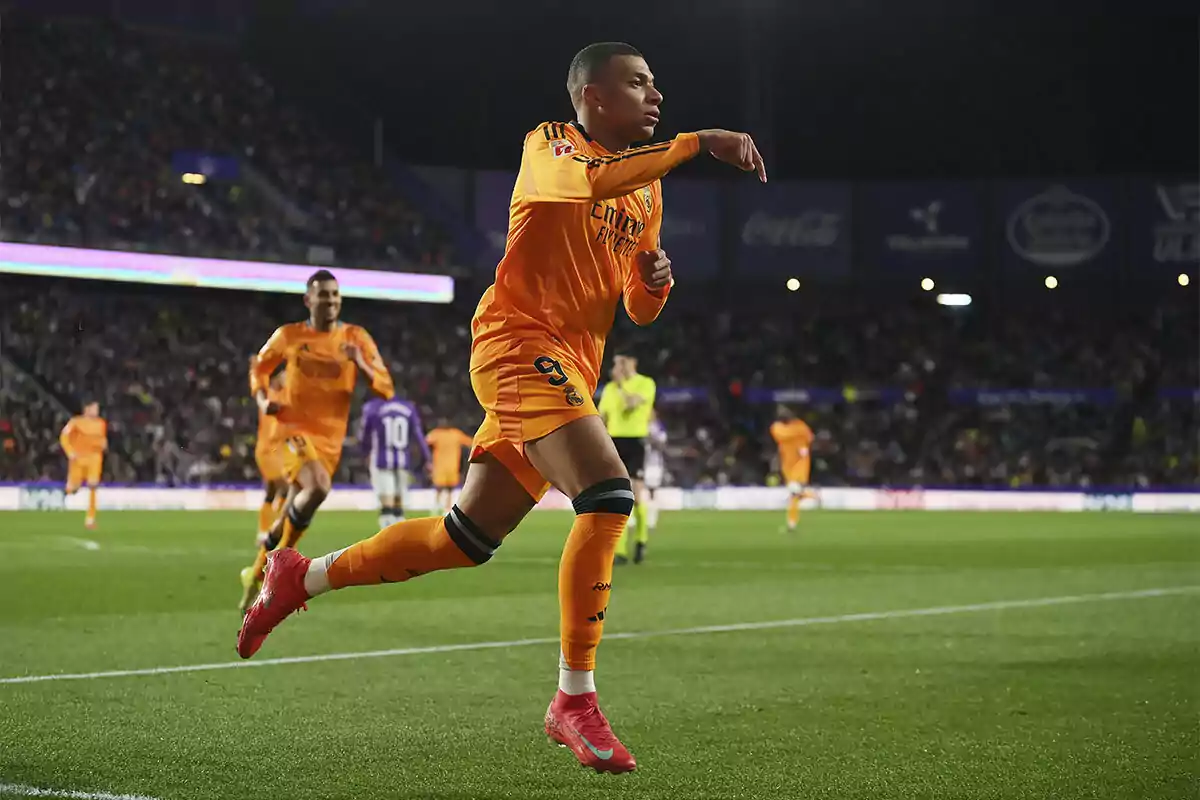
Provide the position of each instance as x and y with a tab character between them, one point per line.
655	269
734	148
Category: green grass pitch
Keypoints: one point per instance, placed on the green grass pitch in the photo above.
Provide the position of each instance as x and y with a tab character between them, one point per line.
1094	697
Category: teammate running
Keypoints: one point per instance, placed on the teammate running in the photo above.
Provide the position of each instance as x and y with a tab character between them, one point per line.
324	358
84	440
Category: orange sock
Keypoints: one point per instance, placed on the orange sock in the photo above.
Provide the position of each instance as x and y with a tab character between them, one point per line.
793	511
266	515
585	583
408	549
91	512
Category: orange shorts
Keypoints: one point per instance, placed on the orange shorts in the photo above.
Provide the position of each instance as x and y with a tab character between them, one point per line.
798	472
84	469
303	448
528	390
446	479
269	457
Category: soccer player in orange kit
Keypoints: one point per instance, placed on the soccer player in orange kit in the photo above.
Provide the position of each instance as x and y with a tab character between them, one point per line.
447	443
583	234
794	439
85	440
324	358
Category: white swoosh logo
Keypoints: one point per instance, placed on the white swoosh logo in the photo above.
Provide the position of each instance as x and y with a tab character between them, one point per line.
601	754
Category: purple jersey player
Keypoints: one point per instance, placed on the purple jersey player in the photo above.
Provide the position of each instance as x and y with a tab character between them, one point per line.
387	431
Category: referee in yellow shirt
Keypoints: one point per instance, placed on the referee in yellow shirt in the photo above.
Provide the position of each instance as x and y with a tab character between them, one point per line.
626	405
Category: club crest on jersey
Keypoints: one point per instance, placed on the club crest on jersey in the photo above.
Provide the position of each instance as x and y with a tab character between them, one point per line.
561	147
648	198
572	396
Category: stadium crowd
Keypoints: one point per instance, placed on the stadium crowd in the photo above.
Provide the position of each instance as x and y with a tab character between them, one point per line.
95	113
169	369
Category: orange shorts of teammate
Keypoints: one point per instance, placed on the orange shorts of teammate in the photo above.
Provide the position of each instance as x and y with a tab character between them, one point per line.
528	390
269	457
303	448
798	474
84	469
447	478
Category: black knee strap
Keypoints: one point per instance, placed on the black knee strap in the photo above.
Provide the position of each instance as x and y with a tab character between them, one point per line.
298	521
467	536
613	496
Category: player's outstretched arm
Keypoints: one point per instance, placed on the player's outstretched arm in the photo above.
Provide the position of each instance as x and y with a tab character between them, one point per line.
365	354
554	169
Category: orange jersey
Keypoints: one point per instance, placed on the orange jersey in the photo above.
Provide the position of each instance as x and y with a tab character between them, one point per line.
320	376
446	445
794	439
84	436
578	216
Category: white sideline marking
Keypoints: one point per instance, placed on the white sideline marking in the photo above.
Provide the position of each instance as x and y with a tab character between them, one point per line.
33	791
86	544
800	622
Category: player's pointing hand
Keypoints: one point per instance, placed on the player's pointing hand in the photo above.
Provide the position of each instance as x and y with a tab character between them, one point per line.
734	148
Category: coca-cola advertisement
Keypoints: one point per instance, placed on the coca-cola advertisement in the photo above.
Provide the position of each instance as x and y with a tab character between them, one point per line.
794	228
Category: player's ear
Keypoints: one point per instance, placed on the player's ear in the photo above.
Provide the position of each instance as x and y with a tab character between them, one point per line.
591	96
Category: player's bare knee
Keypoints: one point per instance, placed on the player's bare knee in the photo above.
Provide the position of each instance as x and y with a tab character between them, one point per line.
493	499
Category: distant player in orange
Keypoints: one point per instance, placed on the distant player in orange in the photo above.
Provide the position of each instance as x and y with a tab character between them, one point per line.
794	439
447	443
268	454
85	440
583	234
324	358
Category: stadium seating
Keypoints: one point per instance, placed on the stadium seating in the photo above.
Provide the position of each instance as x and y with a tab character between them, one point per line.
94	115
169	368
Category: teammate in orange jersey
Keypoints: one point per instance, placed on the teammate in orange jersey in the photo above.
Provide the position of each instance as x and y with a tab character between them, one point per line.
324	358
85	440
268	454
447	443
793	438
583	234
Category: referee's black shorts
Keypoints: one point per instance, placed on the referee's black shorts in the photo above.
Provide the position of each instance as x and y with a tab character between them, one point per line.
632	451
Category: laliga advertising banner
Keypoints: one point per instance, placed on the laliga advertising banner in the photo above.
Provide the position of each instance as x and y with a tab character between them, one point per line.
925	227
1065	226
793	228
493	194
691	226
1166	224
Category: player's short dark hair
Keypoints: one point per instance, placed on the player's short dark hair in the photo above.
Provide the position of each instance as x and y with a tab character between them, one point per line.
319	276
588	62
